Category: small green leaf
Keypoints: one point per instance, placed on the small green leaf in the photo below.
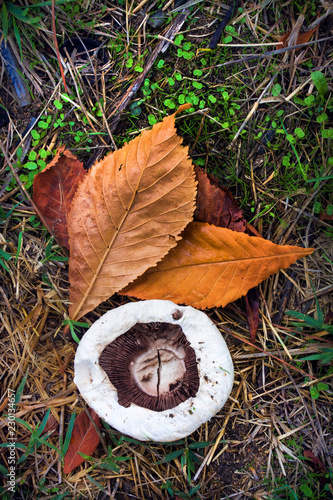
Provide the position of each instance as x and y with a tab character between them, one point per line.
58	104
319	82
152	120
32	155
30	165
322	387
43	125
314	392
35	134
306	490
178	40
322	118
291	138
299	132
276	89
309	100
286	161
327	133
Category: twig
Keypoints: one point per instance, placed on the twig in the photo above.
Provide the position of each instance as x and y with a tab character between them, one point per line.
175	27
124	101
268	54
218	32
253	110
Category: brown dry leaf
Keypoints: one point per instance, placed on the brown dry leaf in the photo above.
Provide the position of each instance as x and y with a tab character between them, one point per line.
212	266
127	214
216	205
84	439
324	215
54	190
301	38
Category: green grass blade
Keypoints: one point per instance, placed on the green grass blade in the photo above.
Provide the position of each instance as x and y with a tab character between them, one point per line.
68	434
4	265
19	246
4	21
43	424
21	388
17	36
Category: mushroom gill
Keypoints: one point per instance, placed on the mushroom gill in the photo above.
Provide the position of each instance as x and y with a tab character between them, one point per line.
151	365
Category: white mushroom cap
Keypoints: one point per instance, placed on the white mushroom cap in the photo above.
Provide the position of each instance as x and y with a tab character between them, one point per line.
214	366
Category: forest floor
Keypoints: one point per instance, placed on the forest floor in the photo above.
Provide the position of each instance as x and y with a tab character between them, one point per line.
261	121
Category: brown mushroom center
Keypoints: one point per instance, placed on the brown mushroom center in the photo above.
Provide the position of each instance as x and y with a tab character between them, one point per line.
152	365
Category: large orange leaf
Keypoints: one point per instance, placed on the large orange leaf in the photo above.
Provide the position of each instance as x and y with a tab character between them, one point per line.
212	266
127	214
216	205
84	439
54	190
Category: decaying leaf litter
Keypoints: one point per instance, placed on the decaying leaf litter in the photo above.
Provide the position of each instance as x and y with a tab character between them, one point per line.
272	412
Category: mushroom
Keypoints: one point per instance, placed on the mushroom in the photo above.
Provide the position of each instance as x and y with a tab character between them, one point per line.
154	370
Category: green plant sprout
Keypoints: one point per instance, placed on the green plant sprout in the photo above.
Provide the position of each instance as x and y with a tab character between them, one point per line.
52	257
72	324
188	458
326	353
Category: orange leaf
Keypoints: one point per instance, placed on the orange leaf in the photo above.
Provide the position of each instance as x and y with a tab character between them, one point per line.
84	440
54	189
216	205
212	266
127	214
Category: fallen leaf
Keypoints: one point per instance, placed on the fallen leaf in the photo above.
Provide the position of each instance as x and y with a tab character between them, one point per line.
212	266
315	462
329	317
51	424
318	467
216	205
324	215
84	440
127	213
301	38
54	189
252	311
